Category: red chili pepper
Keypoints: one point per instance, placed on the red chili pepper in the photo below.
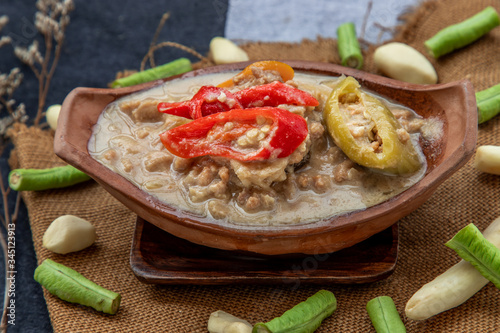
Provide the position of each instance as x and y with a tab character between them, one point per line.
274	94
181	109
218	135
208	100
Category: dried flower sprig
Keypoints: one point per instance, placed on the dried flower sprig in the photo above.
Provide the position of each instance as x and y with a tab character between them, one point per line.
8	84
51	21
4	19
5	40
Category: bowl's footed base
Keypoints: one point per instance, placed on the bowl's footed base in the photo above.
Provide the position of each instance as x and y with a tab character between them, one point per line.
161	258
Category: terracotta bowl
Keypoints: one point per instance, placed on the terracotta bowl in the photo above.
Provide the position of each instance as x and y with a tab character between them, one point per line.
454	103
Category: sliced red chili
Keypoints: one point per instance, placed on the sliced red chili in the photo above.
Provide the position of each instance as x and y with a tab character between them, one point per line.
181	109
274	94
237	134
208	100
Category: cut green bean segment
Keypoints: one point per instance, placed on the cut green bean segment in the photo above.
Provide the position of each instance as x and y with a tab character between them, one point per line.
488	103
348	46
45	179
461	34
384	315
470	245
179	66
305	317
71	286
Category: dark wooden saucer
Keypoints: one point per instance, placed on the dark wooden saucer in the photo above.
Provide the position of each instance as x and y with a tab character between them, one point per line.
161	258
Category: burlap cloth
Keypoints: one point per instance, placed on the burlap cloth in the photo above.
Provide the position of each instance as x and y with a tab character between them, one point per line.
468	196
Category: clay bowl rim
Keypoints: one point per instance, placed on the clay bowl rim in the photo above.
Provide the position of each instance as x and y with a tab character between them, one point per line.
415	195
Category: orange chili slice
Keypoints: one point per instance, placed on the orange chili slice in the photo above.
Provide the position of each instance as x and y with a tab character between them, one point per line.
285	71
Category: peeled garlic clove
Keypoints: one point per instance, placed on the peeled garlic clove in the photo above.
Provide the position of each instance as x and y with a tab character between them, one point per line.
52	115
223	322
69	233
225	51
487	159
402	62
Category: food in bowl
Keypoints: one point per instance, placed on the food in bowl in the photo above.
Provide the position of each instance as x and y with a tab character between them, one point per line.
265	147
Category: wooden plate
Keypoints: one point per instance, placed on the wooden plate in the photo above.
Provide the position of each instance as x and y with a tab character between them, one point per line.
161	258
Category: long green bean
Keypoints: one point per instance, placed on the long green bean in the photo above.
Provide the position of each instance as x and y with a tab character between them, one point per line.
384	315
179	66
305	317
44	179
348	46
488	103
71	286
470	245
461	34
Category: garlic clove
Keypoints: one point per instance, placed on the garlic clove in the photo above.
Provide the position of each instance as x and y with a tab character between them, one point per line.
487	159
225	51
69	233
52	115
402	62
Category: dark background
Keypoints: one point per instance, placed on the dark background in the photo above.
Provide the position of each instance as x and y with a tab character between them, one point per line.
102	38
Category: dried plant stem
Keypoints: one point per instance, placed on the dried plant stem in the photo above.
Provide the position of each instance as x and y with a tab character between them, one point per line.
6	298
6	220
365	19
46	74
383	29
7	106
154	47
169	44
5	197
43	79
164	19
361	39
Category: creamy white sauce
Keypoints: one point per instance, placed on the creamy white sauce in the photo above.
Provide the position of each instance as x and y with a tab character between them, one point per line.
115	142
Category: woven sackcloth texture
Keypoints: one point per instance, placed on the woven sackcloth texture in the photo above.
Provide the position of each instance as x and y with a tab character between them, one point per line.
468	196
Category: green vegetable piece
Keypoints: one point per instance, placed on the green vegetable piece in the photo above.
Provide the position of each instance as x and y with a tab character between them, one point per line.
470	245
305	317
44	179
453	287
488	103
348	46
179	66
461	34
71	286
384	315
392	156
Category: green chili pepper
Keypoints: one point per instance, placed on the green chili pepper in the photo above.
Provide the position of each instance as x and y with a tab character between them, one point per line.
470	245
305	317
488	103
44	179
71	286
461	34
348	46
179	66
384	315
392	155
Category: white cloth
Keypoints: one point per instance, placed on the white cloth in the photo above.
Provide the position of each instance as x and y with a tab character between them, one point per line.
294	20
